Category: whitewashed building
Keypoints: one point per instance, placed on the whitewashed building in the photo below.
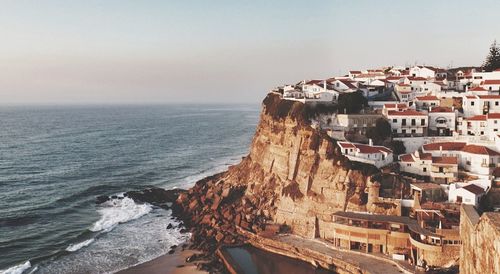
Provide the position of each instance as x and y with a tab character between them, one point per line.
441	169
421	71
480	104
470	194
442	121
426	102
408	123
378	156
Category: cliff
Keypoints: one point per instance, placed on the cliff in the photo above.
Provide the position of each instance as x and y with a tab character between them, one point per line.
293	176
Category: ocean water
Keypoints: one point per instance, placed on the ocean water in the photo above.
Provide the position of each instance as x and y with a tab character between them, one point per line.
54	161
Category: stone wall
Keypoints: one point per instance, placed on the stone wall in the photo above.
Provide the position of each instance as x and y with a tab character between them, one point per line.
480	252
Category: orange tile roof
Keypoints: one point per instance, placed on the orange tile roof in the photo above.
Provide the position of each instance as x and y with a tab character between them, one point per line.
477	118
406	112
489	96
477	89
427	98
475	149
491	82
406	158
474	189
417	79
445	160
444	146
493	115
441	109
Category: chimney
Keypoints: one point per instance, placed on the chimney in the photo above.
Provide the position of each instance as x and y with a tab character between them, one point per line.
441	150
370	142
324	85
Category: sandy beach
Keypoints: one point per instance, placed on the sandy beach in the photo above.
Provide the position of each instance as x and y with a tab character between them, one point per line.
167	264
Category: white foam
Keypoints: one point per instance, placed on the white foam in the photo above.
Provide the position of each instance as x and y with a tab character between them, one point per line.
116	211
75	247
18	269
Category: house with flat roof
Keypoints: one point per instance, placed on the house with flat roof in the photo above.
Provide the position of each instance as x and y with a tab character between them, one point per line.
408	123
378	156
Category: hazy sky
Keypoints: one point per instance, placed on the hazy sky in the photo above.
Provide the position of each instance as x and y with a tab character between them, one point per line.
228	51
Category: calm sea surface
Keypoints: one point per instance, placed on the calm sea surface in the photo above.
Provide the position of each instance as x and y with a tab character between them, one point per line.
54	161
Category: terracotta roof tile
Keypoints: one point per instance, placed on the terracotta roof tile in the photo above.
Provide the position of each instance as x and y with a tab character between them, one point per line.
427	98
477	118
491	82
445	160
474	189
406	112
475	149
444	146
441	109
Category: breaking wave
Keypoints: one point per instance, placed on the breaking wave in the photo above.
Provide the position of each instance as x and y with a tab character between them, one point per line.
117	211
75	247
17	269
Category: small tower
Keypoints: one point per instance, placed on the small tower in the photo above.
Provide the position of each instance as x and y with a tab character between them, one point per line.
373	193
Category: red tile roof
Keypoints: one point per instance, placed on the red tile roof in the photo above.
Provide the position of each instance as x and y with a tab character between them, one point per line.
417	78
441	109
444	146
406	112
474	189
477	89
427	98
311	82
493	115
489	96
471	97
365	148
406	158
355	72
491	82
372	149
400	105
445	160
346	145
475	149
477	118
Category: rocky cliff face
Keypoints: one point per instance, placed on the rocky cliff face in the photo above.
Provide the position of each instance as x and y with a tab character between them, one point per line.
294	175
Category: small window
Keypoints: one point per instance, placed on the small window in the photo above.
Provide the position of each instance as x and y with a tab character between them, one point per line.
394	120
424	169
471	103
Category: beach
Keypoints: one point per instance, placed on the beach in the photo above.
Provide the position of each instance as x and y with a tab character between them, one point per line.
170	263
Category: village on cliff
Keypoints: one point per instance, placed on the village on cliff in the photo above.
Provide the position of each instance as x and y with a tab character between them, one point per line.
440	129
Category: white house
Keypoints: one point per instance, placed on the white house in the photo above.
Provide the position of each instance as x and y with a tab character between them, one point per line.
480	104
478	77
425	102
444	148
470	194
477	91
440	169
421	71
491	85
479	159
343	85
428	87
492	125
393	107
378	156
474	126
442	121
408	122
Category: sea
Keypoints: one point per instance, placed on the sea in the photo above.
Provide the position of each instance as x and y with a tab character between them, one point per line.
55	161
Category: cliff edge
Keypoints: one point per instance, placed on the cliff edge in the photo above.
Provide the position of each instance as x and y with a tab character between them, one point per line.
293	179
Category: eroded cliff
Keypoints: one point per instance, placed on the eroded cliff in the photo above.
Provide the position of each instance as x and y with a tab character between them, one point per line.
294	175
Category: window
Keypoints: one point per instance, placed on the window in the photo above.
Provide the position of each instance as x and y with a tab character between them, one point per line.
403	122
413	122
424	169
413	131
471	103
394	120
441	169
496	102
422	122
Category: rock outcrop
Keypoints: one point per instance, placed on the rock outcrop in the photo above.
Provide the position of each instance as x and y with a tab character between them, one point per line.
293	179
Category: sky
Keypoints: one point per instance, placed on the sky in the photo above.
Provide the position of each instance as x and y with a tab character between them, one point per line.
188	51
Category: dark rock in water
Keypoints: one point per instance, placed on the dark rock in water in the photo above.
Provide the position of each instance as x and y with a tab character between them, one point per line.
169	226
101	199
171	251
183	230
155	196
114	197
173	247
120	197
